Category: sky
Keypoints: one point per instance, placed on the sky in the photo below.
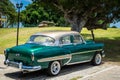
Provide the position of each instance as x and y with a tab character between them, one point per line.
26	2
116	24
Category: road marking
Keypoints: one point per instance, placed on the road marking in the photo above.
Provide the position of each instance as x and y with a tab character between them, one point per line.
98	72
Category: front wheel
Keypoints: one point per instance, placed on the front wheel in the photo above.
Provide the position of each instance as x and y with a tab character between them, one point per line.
54	68
97	59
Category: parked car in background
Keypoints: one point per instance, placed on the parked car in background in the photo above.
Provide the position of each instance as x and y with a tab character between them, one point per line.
52	50
46	23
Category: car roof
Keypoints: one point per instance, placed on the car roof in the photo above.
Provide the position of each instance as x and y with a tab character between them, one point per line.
57	34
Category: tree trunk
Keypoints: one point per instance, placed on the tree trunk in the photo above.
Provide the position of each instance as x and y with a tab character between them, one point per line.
0	24
93	35
76	22
78	25
0	20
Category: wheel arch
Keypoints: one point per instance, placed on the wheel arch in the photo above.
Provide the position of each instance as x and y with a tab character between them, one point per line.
96	52
60	61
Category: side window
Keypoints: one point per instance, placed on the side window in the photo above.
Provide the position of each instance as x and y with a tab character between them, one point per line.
77	39
65	40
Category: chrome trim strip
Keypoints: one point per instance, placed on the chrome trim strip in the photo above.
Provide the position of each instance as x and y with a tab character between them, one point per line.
68	63
86	51
68	60
54	58
78	62
69	56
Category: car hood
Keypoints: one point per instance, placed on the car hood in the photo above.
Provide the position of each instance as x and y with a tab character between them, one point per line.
27	48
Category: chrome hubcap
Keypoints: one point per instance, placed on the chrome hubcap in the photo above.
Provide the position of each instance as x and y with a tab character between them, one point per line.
55	67
98	59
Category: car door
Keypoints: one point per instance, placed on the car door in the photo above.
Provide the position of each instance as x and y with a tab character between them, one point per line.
81	50
66	43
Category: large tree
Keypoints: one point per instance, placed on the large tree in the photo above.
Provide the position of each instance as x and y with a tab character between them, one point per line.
86	13
35	13
8	9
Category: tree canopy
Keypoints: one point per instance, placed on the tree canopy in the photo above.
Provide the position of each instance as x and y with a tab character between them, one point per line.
35	13
92	14
8	9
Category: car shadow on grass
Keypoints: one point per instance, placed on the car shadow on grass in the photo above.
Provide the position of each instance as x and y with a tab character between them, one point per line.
42	75
112	48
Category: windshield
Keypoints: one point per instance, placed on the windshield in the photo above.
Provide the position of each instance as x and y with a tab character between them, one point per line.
41	39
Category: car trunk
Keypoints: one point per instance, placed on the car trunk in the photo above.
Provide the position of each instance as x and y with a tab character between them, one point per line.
22	53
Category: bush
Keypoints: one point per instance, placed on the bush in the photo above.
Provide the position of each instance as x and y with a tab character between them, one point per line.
30	25
113	27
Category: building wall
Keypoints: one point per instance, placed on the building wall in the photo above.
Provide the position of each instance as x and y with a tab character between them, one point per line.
3	20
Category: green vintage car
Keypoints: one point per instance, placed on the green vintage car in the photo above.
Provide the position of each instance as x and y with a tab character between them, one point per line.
52	50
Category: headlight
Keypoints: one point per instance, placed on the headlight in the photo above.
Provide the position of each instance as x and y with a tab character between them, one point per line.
32	57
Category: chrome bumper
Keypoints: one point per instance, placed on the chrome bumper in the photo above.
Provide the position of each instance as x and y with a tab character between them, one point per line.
103	54
21	66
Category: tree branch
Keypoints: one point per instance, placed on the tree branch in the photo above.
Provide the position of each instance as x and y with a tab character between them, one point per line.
59	7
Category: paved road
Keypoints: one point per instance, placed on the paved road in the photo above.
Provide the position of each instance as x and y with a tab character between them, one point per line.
111	73
80	72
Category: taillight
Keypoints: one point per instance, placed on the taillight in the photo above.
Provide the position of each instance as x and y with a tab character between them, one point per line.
5	52
32	57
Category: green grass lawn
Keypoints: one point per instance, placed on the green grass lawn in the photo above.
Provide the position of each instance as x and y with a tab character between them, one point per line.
110	37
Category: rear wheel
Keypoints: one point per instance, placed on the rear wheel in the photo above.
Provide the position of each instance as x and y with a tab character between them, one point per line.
97	59
54	68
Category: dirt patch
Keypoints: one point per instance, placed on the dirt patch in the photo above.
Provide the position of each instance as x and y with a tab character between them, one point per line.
113	63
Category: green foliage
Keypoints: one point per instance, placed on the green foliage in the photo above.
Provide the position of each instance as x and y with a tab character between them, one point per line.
8	9
113	27
91	12
35	13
